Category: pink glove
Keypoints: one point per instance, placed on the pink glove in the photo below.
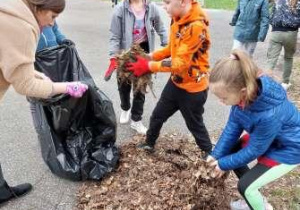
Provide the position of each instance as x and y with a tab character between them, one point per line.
76	89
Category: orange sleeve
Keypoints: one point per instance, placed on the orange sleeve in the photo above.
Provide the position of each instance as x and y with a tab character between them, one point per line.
161	54
191	42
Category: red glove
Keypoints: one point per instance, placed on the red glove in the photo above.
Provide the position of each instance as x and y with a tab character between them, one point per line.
140	67
112	67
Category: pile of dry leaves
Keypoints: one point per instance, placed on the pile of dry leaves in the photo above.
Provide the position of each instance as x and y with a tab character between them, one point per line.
141	83
173	177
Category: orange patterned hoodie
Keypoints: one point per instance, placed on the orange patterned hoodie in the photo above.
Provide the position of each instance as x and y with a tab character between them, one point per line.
188	50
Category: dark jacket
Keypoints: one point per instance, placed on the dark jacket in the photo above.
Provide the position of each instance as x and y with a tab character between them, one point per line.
283	16
251	20
273	123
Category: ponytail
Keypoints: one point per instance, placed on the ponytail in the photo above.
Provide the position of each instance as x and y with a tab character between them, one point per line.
237	72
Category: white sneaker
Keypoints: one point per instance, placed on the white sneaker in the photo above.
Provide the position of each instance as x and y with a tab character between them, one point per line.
239	205
286	86
125	116
268	206
242	205
139	127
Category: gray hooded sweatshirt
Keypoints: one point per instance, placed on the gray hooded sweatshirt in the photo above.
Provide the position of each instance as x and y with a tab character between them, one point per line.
121	29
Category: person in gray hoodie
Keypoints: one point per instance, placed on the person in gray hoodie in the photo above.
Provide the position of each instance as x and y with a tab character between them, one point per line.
133	22
251	21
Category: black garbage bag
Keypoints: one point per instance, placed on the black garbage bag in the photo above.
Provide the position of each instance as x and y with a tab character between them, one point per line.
77	135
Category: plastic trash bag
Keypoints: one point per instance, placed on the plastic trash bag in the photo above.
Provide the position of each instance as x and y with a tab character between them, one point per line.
77	135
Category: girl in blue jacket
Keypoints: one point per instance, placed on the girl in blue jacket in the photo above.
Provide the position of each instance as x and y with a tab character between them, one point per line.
261	108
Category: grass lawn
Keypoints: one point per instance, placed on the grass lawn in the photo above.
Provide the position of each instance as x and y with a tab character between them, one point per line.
220	4
212	4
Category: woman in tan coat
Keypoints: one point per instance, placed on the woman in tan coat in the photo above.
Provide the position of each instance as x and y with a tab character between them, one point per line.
20	24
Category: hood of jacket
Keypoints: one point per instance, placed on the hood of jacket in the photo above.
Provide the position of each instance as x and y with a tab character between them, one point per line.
195	14
19	9
271	94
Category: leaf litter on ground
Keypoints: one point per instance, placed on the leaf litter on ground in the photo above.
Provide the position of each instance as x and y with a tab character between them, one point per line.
173	177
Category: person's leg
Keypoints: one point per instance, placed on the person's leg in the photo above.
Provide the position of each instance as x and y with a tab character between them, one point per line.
237	45
289	45
256	178
145	46
7	193
250	48
274	49
137	106
124	92
138	97
165	107
191	106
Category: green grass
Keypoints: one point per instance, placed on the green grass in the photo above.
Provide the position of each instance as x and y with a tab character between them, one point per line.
212	4
220	4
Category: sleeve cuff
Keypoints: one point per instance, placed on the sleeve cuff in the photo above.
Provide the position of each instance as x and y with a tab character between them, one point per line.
155	66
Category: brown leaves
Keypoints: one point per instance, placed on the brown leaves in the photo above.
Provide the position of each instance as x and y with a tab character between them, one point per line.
173	177
139	83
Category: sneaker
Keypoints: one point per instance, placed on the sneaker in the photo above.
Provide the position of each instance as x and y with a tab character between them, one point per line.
242	205
146	147
268	206
125	116
239	205
139	127
286	86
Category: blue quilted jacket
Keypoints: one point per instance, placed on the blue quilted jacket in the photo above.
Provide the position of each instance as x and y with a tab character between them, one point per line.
273	123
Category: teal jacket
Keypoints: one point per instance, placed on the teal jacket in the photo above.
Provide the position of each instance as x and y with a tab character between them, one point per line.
251	20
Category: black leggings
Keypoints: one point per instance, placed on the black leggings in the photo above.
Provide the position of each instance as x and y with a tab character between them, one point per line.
251	180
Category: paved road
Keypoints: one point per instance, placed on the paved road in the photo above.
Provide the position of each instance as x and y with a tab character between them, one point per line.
86	22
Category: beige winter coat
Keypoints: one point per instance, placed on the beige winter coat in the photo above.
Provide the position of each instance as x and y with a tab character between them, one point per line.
19	33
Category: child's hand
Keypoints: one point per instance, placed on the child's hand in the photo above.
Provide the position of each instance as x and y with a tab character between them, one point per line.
112	67
210	159
217	172
140	67
76	89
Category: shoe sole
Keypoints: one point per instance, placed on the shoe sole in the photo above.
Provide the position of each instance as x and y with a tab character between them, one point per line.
124	122
134	128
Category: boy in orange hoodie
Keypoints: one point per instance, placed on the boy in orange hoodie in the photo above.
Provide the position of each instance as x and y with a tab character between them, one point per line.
187	88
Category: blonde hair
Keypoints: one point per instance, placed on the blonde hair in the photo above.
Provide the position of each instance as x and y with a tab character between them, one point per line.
236	72
293	5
